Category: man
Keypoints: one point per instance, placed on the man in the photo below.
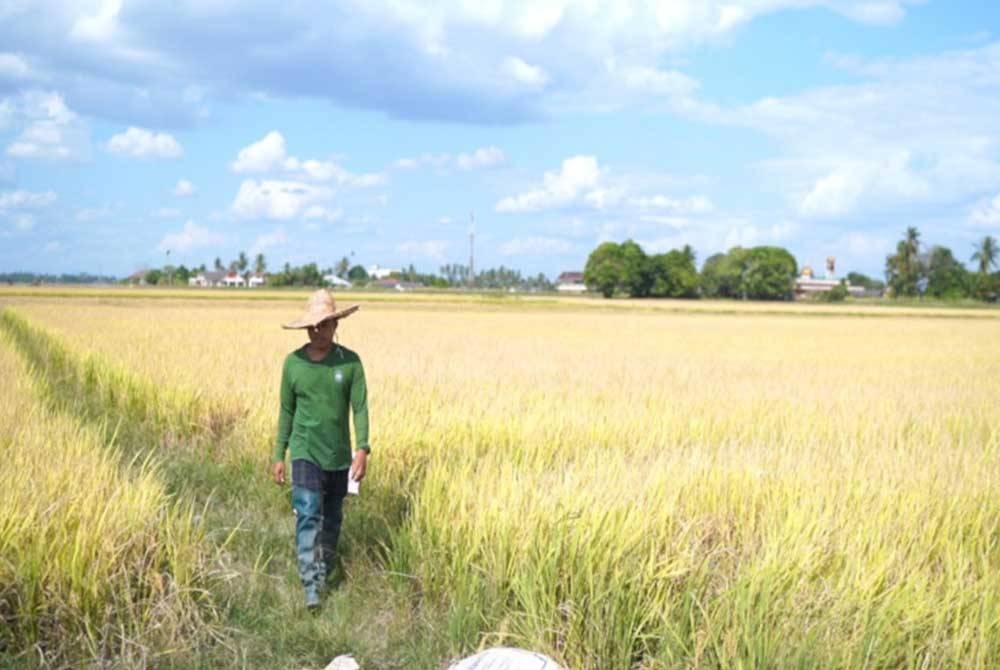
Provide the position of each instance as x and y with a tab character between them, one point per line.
318	383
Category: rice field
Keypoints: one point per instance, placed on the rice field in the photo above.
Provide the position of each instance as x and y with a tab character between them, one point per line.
648	487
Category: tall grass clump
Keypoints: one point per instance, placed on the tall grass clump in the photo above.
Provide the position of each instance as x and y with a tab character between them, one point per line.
98	565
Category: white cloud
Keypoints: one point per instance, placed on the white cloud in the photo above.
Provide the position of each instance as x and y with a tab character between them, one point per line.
184	188
535	246
264	155
575	181
166	213
483	157
142	143
321	213
275	238
430	249
52	247
986	213
192	236
913	132
13	67
273	199
22	199
99	26
697	204
523	73
52	130
269	155
24	222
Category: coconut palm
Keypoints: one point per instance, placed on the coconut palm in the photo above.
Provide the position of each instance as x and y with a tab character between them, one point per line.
986	254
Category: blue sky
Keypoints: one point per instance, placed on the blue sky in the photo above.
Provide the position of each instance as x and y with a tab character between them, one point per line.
384	130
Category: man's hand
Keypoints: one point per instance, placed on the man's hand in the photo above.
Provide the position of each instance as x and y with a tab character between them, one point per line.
278	472
359	465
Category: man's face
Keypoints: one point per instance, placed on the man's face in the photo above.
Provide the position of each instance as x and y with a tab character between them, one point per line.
322	333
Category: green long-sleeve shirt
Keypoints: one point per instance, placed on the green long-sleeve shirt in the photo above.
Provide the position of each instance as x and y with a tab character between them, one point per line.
313	421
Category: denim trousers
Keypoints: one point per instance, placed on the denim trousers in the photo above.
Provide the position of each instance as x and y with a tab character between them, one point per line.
318	516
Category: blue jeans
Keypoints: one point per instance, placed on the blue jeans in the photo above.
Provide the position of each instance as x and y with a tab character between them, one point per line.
318	515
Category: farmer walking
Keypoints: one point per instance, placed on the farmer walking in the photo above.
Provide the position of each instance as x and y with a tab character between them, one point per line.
319	381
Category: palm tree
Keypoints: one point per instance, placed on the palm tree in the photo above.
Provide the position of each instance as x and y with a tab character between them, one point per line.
242	263
259	264
986	254
219	267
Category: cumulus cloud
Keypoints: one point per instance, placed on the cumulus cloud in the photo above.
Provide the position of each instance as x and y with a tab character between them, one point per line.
275	199
912	132
184	188
21	199
576	181
142	143
269	155
51	129
321	213
481	158
401	57
521	72
13	67
192	236
696	204
535	246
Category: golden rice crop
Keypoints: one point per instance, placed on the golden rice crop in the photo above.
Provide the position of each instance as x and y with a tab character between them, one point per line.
649	489
96	562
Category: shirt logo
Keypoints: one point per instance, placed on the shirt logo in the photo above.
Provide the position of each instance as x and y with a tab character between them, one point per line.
338	376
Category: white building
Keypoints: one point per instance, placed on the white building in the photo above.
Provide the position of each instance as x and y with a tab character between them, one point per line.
376	272
334	280
571	282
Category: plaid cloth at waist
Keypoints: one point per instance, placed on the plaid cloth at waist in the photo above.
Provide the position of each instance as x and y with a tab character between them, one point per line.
310	476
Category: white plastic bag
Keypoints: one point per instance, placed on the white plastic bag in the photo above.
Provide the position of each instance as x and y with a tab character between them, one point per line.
506	658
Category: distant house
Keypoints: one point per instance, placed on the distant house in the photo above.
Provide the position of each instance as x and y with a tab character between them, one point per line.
233	278
207	279
806	285
138	278
398	284
376	272
334	280
257	279
571	282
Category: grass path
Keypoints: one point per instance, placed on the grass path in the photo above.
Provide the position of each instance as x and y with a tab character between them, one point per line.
249	521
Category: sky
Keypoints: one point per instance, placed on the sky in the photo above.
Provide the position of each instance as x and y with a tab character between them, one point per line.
137	133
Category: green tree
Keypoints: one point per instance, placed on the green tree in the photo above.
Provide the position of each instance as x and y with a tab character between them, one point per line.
343	267
605	269
636	276
865	282
357	274
946	277
769	274
903	270
153	277
722	274
259	264
219	267
987	255
182	275
674	274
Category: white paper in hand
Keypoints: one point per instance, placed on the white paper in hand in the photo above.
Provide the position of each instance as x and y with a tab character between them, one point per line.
353	485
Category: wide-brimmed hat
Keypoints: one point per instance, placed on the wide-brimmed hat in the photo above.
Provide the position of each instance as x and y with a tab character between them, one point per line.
320	307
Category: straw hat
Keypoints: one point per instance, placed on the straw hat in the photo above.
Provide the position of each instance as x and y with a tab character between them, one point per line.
319	308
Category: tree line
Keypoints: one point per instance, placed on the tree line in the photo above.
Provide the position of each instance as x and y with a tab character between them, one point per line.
311	275
769	272
915	270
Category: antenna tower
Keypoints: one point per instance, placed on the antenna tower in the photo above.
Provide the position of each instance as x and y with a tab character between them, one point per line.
472	248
